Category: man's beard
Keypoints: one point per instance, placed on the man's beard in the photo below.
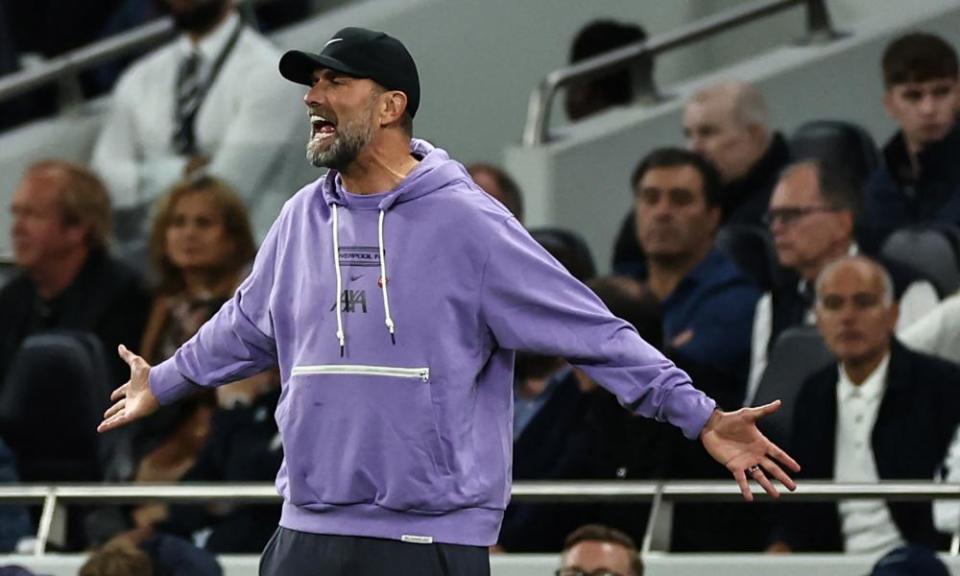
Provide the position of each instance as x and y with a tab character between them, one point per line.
201	18
348	140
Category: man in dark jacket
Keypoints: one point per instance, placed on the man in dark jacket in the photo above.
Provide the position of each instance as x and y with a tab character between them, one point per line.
919	180
884	413
68	282
728	123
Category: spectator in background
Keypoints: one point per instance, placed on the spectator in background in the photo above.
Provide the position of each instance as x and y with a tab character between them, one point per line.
121	558
60	232
201	245
209	98
553	435
497	183
919	180
243	446
812	214
596	549
910	561
150	555
881	413
616	89
729	124
707	302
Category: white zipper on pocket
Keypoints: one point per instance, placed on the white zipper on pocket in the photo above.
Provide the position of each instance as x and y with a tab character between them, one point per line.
359	370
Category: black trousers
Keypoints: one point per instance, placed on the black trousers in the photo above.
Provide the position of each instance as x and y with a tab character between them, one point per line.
292	553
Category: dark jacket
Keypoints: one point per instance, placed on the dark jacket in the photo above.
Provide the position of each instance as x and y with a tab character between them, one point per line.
915	424
106	298
745	200
243	446
895	199
557	444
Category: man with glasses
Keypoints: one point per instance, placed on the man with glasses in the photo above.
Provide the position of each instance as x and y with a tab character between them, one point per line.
882	412
811	216
596	550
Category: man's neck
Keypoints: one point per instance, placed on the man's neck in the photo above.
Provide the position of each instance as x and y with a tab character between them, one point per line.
860	369
52	278
380	167
664	274
197	37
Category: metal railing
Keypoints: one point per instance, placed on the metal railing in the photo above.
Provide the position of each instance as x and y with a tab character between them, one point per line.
536	131
65	70
661	493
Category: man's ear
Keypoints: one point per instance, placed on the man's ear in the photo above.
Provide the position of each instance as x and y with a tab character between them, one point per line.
393	108
888	102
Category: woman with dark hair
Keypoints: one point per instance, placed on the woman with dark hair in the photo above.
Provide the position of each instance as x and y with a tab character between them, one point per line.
200	247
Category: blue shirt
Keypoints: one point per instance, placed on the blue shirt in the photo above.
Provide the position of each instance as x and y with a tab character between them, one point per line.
715	302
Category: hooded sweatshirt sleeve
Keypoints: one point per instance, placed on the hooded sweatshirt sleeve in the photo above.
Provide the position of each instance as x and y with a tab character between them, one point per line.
531	303
237	342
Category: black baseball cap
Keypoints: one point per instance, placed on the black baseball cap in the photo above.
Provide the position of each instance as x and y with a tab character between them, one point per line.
360	53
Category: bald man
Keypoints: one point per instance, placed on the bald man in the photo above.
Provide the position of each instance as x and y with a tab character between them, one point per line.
882	412
728	123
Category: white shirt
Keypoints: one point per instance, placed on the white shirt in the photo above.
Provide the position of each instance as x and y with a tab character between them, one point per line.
866	524
917	301
938	332
252	124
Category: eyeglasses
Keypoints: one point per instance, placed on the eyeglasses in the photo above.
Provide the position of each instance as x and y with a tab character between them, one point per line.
788	216
581	572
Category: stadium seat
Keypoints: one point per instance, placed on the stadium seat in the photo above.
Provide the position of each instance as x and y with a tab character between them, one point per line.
798	353
53	398
751	249
838	142
931	250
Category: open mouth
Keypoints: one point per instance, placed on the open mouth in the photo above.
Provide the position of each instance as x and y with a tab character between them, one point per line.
321	127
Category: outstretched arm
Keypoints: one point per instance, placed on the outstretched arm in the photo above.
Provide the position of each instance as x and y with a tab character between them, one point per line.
133	400
732	439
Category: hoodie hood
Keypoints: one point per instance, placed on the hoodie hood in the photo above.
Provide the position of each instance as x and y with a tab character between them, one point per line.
435	171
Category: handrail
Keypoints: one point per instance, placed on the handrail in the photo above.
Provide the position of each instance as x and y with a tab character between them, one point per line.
536	130
569	491
64	69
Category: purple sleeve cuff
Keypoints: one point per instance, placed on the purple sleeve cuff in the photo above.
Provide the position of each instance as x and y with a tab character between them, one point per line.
689	409
167	384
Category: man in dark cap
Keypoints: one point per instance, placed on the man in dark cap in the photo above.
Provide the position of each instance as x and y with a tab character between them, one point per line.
393	294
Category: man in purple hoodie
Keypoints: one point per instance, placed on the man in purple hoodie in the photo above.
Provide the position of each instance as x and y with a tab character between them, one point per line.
392	293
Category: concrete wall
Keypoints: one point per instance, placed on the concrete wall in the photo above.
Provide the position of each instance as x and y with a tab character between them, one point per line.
580	180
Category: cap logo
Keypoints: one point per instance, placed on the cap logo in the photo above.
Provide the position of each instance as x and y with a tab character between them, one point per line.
332	41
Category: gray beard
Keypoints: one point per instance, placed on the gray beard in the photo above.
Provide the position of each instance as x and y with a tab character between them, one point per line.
346	146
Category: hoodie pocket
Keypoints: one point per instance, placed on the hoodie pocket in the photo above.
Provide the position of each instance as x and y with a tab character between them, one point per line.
363	434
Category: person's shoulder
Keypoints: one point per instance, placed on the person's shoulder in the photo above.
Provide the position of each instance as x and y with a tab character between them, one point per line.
256	45
927	367
143	71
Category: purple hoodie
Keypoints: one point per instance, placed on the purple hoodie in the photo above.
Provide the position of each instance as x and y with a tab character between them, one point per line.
396	407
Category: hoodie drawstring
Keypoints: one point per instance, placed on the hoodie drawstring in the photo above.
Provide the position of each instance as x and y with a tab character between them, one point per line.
388	319
383	279
336	264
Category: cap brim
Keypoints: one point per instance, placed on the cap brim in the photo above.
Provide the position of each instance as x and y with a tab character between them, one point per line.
297	66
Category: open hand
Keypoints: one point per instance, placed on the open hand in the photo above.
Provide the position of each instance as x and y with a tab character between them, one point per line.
133	400
732	438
